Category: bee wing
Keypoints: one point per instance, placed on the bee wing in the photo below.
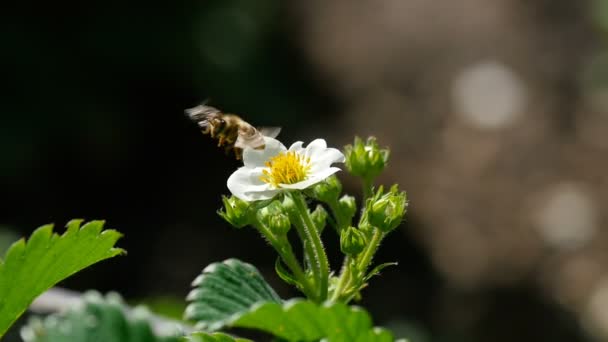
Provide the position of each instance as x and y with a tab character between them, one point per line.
254	141
271	132
199	113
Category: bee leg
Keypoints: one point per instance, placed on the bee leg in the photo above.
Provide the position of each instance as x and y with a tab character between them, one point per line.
221	142
238	153
230	148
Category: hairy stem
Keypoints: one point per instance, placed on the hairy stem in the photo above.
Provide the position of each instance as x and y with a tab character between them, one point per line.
283	247
315	249
291	261
365	258
340	222
343	280
368	186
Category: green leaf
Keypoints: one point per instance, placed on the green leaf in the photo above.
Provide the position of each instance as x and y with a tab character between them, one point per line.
97	319
226	289
301	320
376	270
29	269
213	337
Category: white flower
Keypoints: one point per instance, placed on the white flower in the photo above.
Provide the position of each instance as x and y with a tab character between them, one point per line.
275	168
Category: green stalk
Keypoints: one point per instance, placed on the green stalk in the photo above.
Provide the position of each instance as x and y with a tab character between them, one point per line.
315	249
340	224
345	276
368	185
288	256
343	280
283	247
370	249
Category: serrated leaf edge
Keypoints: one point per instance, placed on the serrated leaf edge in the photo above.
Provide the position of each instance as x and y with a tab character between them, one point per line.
45	235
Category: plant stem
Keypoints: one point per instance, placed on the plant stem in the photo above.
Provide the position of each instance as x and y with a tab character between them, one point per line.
274	242
283	247
288	256
335	208
315	250
343	280
368	185
370	249
364	260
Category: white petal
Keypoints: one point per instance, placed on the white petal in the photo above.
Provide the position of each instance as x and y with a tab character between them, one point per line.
312	179
246	181
260	195
316	146
296	147
257	158
325	158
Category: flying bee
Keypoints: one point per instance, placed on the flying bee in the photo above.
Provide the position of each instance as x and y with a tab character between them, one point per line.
232	132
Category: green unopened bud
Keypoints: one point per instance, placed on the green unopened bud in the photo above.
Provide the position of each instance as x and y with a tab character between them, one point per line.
347	207
328	190
279	224
319	217
289	206
236	211
275	218
366	159
386	211
352	241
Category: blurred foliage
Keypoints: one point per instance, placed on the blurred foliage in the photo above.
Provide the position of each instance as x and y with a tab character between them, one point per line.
98	319
600	13
165	305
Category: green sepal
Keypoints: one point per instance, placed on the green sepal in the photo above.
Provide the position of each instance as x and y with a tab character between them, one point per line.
386	210
326	191
275	218
352	241
236	211
365	159
376	270
283	273
319	218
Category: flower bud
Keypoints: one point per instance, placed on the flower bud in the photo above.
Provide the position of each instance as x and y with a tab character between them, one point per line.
319	217
386	211
289	206
352	241
347	207
328	190
275	218
236	211
365	159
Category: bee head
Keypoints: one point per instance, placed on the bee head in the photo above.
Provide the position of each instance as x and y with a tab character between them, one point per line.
215	120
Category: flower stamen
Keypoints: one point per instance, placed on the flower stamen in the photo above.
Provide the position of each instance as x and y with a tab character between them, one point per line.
286	168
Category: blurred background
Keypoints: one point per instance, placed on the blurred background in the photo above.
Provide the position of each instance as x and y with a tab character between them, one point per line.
496	113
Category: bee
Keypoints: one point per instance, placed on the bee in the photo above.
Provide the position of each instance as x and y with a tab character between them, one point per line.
232	132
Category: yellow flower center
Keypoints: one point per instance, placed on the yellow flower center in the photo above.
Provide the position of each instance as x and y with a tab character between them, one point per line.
286	168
